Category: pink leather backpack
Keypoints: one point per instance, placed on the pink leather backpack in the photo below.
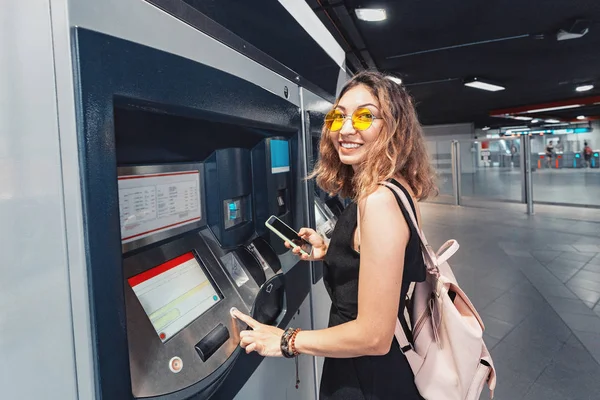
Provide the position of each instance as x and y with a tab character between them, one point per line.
449	359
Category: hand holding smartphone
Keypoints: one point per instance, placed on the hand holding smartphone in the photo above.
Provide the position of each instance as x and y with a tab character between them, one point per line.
288	235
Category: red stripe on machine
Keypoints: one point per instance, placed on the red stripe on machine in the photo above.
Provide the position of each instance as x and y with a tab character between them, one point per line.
151	273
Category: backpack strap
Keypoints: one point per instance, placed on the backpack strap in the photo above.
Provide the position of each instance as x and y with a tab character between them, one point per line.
405	345
428	253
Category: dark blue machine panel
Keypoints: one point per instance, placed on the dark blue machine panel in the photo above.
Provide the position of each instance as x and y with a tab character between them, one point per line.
229	200
273	191
120	85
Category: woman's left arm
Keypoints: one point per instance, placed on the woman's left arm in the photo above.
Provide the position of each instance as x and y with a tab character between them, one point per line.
384	236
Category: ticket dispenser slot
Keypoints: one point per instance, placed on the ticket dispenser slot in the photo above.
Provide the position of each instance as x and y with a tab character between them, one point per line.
256	272
271	172
265	254
252	265
229	200
269	304
212	342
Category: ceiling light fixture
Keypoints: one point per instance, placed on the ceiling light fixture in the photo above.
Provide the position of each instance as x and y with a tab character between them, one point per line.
535	121
477	83
553	121
485	128
579	29
523	118
553	108
584	88
581	117
371	14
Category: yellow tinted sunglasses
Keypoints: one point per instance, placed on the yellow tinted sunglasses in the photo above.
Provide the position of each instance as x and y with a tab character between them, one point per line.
362	119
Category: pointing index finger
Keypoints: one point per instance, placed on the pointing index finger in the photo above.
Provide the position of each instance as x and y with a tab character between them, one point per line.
252	323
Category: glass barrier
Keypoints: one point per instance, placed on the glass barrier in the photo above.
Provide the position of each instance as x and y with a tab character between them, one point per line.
440	155
491	169
562	173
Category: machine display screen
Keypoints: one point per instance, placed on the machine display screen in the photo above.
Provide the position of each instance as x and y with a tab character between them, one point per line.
280	156
174	294
153	203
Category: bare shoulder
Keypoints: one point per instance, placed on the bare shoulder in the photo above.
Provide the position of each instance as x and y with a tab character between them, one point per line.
381	200
382	223
381	206
381	197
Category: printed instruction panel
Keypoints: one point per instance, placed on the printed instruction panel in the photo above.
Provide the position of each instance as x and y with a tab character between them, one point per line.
174	294
152	203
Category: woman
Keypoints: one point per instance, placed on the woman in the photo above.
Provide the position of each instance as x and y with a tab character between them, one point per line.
371	135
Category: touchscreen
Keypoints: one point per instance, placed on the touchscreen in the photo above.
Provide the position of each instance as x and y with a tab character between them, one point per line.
174	294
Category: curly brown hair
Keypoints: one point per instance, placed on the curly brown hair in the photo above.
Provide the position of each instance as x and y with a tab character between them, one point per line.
398	150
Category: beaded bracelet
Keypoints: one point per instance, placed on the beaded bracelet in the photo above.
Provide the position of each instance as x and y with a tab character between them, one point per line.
293	343
285	343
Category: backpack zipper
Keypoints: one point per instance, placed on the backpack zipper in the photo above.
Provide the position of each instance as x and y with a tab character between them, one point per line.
420	323
421	320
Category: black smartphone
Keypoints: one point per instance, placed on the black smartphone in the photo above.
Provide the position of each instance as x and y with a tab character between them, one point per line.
288	235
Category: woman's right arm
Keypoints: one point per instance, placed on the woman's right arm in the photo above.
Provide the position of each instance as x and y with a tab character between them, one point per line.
319	247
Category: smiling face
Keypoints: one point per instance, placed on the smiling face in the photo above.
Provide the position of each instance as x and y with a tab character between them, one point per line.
351	144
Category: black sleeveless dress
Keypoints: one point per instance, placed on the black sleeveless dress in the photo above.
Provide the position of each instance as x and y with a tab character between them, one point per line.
387	377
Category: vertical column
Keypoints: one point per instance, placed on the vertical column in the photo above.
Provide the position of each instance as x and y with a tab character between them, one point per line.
455	157
528	181
309	219
523	155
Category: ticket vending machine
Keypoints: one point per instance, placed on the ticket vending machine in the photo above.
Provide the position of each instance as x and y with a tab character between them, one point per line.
162	140
179	281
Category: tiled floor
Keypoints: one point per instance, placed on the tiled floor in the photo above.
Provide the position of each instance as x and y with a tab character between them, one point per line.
536	282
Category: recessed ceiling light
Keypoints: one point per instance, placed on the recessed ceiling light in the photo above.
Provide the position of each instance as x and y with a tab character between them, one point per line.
535	121
523	118
581	117
584	88
553	121
371	14
483	85
394	79
553	108
485	128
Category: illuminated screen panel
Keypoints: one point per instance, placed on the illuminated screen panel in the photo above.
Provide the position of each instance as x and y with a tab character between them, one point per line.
174	294
154	203
280	156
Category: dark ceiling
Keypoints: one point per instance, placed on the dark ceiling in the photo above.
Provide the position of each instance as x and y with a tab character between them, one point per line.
268	26
534	68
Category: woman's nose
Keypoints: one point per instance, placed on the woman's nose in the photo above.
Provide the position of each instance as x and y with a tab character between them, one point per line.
347	128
